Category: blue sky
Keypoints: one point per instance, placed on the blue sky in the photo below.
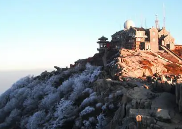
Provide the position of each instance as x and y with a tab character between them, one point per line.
38	34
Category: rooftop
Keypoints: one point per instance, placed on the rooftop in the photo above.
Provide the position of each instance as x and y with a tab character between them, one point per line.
103	38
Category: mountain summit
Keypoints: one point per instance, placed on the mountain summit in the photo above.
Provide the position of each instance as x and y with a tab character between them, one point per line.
115	89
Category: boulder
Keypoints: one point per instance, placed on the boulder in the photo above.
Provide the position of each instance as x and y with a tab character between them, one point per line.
164	101
163	115
140	93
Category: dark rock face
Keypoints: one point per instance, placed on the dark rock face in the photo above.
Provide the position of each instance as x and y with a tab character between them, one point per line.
119	95
179	96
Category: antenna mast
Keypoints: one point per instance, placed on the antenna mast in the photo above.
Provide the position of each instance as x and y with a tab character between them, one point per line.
141	20
156	22
164	15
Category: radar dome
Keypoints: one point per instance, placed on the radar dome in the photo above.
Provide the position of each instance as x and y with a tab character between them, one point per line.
128	24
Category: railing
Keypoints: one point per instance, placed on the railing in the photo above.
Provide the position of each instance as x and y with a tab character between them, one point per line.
171	52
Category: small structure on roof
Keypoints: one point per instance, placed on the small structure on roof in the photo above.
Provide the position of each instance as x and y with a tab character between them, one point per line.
128	24
103	43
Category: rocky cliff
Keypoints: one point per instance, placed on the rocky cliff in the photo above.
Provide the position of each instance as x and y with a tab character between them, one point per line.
131	90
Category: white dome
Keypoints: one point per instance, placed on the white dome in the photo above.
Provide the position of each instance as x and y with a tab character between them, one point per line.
128	24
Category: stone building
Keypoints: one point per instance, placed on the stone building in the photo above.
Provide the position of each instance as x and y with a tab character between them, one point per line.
138	38
166	39
129	38
152	41
135	38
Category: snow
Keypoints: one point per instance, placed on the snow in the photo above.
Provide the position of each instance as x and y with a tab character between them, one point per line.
88	90
87	110
86	123
92	98
64	108
99	105
111	106
35	121
104	107
49	100
101	121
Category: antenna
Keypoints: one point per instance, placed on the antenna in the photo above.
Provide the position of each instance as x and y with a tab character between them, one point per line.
141	20
136	20
164	15
145	23
156	22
